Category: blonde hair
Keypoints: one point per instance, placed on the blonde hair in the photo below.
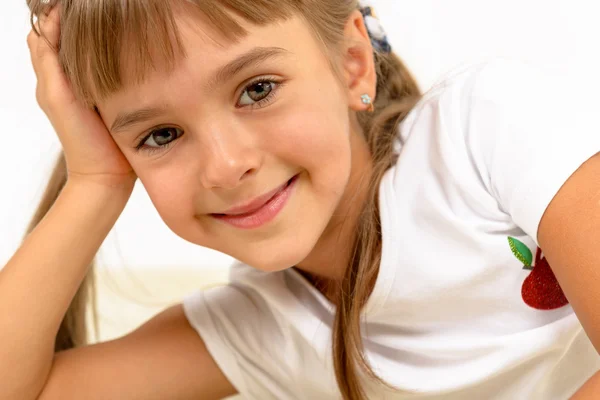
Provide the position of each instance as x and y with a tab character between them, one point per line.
91	53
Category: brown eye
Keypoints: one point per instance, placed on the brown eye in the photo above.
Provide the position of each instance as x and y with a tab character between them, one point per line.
257	92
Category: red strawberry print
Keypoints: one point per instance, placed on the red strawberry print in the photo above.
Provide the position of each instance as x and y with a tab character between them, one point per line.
540	290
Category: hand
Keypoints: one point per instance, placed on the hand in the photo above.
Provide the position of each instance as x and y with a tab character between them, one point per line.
91	153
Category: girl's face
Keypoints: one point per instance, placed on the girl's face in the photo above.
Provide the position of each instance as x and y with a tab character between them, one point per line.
234	123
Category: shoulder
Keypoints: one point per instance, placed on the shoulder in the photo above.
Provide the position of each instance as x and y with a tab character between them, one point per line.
249	325
243	297
501	124
261	302
493	100
492	73
501	80
445	108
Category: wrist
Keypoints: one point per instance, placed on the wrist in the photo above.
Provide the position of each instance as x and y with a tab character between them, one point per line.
100	191
119	185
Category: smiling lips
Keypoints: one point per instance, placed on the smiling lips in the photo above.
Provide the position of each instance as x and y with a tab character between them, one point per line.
261	210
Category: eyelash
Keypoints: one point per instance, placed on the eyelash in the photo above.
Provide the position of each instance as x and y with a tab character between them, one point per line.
258	105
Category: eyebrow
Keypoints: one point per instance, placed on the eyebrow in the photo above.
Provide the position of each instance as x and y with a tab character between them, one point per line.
249	59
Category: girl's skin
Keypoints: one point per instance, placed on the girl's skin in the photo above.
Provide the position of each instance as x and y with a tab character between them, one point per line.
234	149
226	155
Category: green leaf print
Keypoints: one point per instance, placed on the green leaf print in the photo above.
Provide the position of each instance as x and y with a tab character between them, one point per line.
521	251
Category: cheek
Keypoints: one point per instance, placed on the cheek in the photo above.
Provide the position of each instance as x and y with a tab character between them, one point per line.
172	193
315	137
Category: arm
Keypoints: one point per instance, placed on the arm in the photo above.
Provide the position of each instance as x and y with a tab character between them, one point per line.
569	235
36	287
164	359
590	390
40	280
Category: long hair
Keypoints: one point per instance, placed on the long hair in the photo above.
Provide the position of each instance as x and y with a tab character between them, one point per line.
92	54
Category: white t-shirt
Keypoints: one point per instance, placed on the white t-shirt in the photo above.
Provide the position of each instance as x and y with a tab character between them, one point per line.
480	158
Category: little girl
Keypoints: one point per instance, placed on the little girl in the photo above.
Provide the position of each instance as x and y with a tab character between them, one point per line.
390	245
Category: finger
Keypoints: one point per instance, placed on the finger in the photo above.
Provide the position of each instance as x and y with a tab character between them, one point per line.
49	27
45	50
41	37
44	56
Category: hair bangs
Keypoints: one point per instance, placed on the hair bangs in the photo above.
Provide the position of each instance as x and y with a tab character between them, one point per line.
106	44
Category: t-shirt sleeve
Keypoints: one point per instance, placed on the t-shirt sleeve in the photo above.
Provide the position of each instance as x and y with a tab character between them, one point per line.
197	308
242	335
526	132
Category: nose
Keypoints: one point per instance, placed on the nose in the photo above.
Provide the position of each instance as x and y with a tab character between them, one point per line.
229	160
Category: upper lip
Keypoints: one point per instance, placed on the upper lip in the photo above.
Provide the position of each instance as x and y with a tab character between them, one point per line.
254	204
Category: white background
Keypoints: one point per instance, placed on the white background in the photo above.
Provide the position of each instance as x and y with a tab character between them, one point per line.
430	35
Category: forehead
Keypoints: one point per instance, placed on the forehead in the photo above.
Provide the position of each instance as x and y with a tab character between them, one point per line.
205	51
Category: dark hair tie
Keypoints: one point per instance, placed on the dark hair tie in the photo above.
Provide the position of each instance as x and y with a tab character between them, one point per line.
377	34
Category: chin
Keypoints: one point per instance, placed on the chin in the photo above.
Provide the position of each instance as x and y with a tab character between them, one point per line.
280	258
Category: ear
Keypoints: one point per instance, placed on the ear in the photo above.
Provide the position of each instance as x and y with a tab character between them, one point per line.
358	62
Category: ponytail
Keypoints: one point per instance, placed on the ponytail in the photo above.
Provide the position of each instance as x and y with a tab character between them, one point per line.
397	94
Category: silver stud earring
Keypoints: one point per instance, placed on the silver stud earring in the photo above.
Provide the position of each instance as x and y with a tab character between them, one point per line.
367	100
